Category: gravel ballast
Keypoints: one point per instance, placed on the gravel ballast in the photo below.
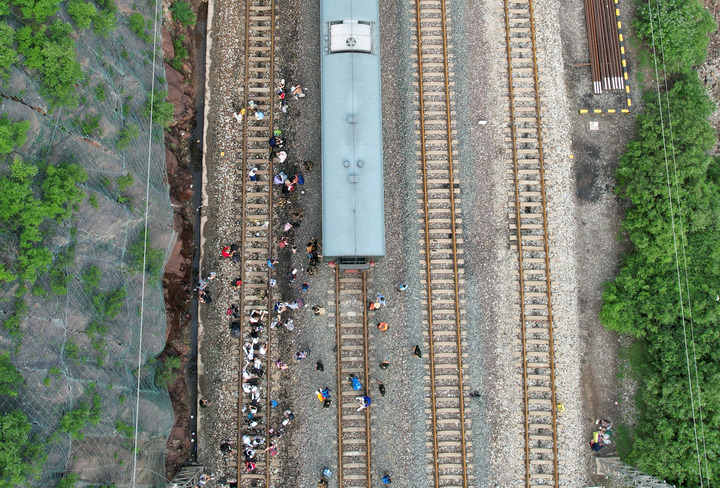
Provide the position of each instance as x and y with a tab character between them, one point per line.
399	419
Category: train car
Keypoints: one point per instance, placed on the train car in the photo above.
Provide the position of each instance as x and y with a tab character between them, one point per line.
353	206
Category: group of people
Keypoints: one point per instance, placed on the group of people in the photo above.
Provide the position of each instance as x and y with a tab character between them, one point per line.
601	437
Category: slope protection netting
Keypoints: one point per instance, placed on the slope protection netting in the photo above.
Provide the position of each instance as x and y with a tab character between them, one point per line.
64	364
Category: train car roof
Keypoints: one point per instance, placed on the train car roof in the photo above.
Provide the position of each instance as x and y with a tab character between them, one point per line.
352	167
332	10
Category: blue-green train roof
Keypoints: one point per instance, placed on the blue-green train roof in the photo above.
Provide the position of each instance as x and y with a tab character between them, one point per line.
352	153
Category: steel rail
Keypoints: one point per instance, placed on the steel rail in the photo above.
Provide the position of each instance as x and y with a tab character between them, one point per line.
340	376
244	223
428	250
428	285
268	355
243	214
525	326
546	244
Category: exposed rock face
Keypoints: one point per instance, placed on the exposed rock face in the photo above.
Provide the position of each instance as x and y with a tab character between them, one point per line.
182	96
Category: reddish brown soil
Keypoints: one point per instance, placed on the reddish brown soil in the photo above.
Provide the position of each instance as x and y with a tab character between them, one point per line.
177	278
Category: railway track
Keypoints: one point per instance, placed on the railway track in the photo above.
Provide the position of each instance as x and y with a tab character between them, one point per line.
255	210
528	222
442	255
352	359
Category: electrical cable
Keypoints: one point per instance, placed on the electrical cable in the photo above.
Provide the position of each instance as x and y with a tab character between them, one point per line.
156	15
672	220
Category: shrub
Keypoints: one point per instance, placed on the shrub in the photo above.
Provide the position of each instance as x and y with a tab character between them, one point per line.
10	377
91	278
82	13
182	12
680	30
59	277
8	55
21	456
110	303
181	53
93	200
12	323
154	259
162	112
72	351
90	125
12	134
100	94
126	430
136	23
125	182
68	481
104	22
74	421
166	371
127	134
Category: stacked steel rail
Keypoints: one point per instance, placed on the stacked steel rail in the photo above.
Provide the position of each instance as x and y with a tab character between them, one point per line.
604	45
442	261
528	220
352	359
255	208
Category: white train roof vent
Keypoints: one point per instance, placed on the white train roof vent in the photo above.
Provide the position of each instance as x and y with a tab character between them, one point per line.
350	36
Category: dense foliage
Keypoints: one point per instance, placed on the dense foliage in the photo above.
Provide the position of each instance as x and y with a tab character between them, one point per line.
644	301
161	111
21	456
25	211
75	421
81	12
679	29
10	377
182	12
8	54
12	134
154	258
50	51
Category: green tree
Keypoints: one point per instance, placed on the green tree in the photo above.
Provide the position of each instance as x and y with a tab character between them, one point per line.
51	51
106	19
38	10
162	112
12	134
81	12
10	377
8	55
6	275
21	456
679	29
182	12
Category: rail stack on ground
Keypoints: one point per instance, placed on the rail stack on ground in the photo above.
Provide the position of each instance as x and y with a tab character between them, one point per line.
604	45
